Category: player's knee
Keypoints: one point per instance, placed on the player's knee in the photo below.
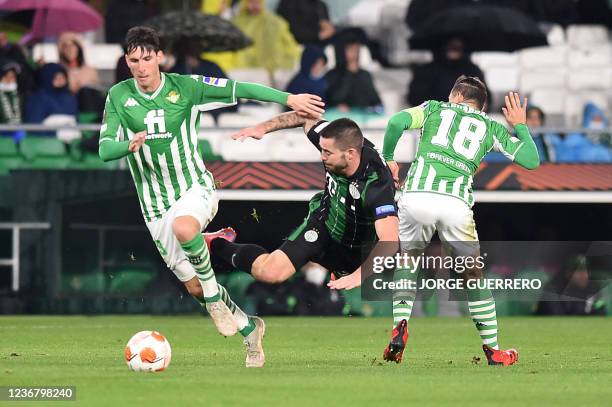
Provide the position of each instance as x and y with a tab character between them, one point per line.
271	272
184	231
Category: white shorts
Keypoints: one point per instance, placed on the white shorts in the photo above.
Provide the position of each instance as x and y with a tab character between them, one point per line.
422	213
199	202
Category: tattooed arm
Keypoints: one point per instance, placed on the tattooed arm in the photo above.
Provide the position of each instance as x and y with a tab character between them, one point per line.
282	121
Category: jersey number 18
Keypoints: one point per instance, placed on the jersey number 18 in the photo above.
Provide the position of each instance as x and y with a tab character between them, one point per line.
466	140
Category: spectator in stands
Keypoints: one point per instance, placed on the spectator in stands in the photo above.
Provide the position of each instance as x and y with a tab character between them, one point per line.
311	77
83	79
14	53
52	96
273	44
571	292
536	119
349	85
308	20
433	80
189	62
10	99
121	15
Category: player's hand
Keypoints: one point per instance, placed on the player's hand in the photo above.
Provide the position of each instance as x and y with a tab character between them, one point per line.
394	168
256	132
515	112
137	142
306	105
347	282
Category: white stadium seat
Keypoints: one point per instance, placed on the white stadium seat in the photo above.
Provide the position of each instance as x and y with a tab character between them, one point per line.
590	78
496	59
542	78
293	146
260	76
502	78
551	101
103	56
590	57
581	36
236	120
249	150
543	56
282	77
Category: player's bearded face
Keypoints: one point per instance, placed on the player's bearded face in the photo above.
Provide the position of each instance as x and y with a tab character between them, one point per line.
334	159
144	66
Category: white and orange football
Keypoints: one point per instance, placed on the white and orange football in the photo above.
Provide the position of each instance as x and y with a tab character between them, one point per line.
148	351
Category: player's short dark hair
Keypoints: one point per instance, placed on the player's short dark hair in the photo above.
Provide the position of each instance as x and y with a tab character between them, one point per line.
345	132
472	89
144	38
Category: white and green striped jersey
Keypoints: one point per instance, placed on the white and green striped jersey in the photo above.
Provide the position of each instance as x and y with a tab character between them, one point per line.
454	140
169	163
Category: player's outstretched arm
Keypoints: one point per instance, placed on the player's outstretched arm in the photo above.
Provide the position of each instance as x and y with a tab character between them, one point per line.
516	115
282	121
307	105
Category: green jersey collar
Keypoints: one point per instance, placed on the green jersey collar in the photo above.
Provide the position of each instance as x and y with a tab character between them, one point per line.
157	91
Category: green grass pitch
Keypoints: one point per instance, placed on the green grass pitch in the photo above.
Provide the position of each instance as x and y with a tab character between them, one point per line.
313	361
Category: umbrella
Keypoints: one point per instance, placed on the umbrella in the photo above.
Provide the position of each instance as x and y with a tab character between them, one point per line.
211	32
482	27
52	17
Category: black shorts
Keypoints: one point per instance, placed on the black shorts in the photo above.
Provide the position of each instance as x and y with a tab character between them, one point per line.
311	242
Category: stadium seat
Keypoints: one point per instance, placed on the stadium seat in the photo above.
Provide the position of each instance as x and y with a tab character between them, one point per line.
130	281
9	156
44	152
254	75
501	79
406	148
575	102
236	120
487	60
207	121
66	134
551	78
581	36
282	78
249	150
556	35
539	57
600	56
551	101
590	79
293	147
102	56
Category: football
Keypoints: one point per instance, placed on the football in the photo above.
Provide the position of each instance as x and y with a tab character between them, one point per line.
148	351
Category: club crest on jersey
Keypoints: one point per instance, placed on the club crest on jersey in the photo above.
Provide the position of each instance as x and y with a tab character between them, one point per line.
173	97
354	191
131	102
218	82
311	236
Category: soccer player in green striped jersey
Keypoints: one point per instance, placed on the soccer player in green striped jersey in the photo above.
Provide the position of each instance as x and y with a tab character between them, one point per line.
153	121
437	193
